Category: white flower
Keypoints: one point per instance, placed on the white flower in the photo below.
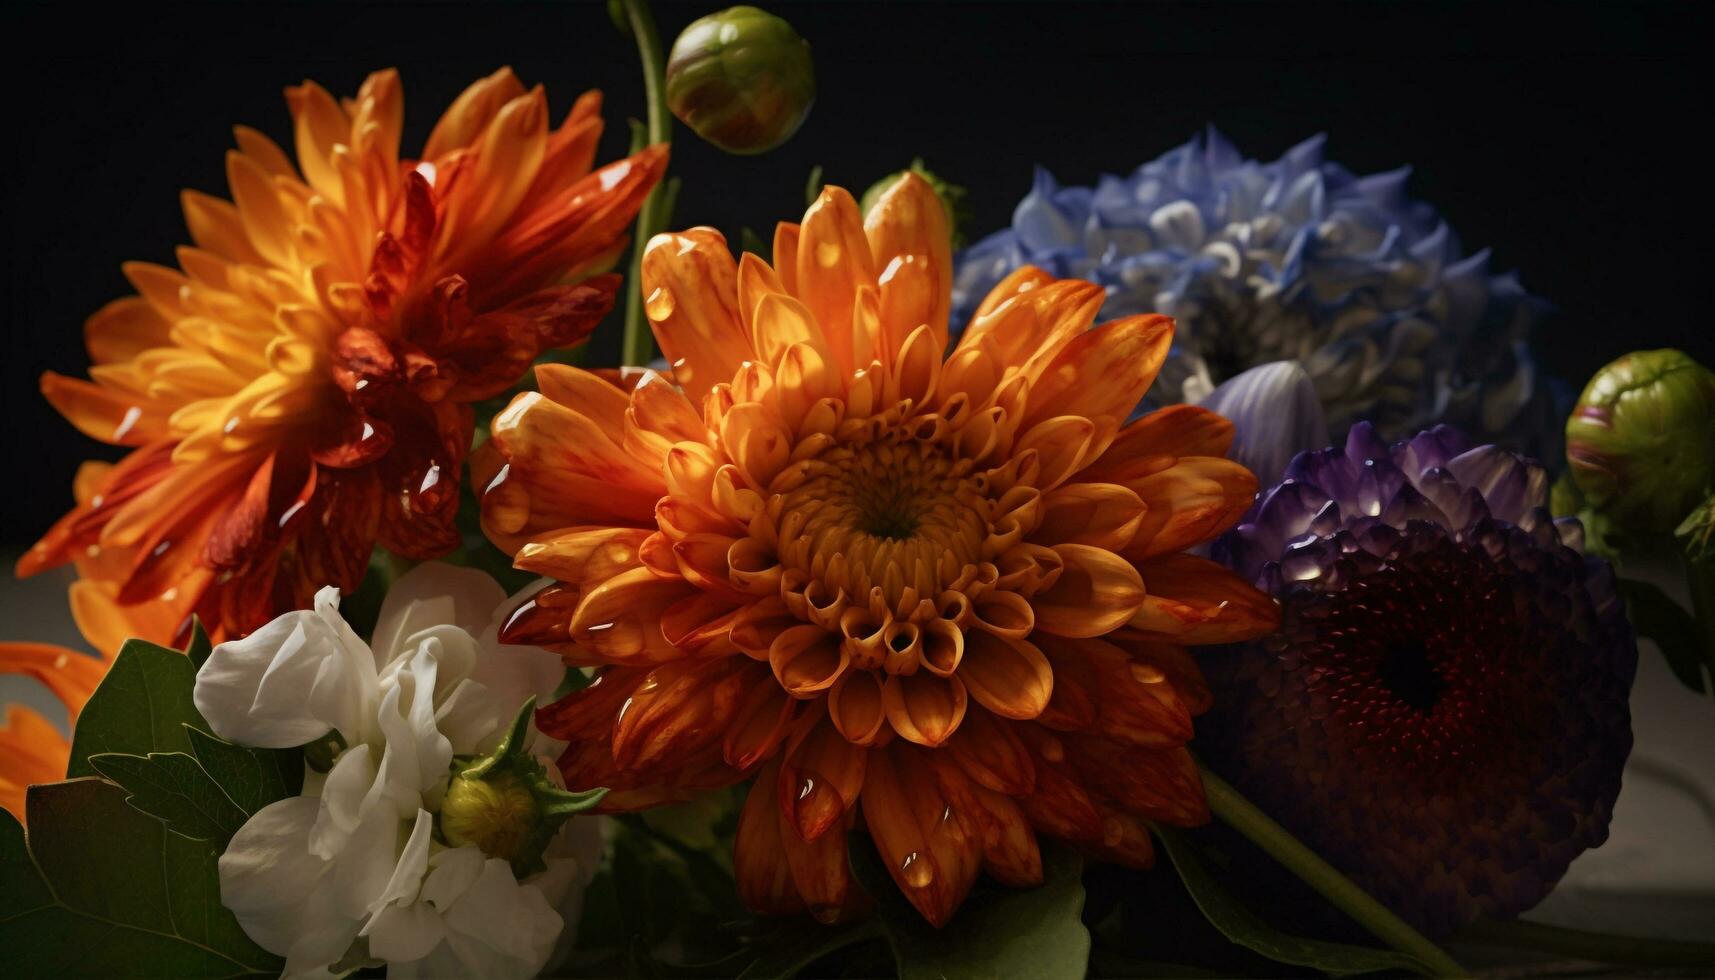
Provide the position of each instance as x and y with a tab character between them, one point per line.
350	874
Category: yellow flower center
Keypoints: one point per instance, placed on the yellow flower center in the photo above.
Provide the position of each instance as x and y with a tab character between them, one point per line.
891	513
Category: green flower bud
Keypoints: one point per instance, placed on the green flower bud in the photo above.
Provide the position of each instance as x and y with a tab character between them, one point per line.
741	79
951	195
1641	443
506	805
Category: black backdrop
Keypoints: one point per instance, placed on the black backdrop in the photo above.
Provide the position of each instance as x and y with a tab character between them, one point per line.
1568	138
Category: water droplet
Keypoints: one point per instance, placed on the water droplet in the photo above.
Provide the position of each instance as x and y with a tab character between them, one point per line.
826	914
916	871
660	303
1147	674
828	254
132	414
1052	750
806	786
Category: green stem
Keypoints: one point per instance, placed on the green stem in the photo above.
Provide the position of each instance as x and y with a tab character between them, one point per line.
1240	814
639	345
1601	947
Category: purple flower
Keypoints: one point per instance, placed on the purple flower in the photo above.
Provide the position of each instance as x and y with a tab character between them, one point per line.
1443	712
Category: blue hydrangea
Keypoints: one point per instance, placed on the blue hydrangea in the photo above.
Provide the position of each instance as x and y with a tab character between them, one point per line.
1363	289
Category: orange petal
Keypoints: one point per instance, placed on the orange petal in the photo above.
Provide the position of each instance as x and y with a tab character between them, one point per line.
1193	500
690	290
678	709
583	556
924	844
110	416
560	470
1101	515
807	660
820	776
1020	280
1096	593
1155	784
1139	704
911	245
1059	805
70	675
989	751
125	328
759	723
619	621
821	871
855	705
32	751
1171	659
587	394
833	261
1193	600
923	707
759	861
1010	677
1177	430
470	113
786	237
1010	854
1104	371
1076	701
1033	325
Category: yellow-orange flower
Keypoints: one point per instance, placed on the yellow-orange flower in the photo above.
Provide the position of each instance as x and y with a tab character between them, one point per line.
32	750
940	592
299	389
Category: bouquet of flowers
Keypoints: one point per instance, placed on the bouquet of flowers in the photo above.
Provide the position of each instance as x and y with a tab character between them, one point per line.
1158	586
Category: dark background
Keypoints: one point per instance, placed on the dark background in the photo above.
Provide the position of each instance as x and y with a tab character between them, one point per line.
1567	138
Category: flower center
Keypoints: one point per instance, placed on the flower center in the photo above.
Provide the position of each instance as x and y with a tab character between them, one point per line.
1407	672
895	513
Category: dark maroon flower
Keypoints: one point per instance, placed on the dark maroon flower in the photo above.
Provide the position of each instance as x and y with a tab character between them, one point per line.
1442	714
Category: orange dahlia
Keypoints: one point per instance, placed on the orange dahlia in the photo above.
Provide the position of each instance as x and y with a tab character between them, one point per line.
299	389
942	594
32	750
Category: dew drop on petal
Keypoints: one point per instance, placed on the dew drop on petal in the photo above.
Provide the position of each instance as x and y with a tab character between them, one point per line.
660	303
828	254
916	871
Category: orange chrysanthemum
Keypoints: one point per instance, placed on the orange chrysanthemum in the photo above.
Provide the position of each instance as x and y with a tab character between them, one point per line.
299	389
942	592
32	750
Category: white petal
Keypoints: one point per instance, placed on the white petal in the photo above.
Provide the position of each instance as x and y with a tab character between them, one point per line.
513	921
451	874
408	873
400	934
267	872
362	870
414	763
287	683
342	796
434	594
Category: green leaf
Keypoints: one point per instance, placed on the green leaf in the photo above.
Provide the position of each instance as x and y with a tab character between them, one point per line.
1655	616
251	778
102	890
999	932
199	647
172	788
1246	928
141	706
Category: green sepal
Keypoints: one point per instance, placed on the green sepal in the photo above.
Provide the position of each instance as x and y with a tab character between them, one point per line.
509	763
